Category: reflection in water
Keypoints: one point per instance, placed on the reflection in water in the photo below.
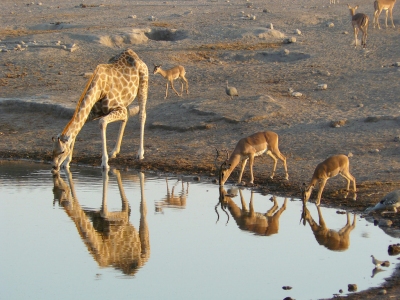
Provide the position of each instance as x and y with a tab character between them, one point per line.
247	219
171	200
109	237
331	239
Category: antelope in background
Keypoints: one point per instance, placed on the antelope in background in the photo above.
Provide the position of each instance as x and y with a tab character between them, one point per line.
332	166
386	5
108	236
248	220
171	75
359	21
172	200
247	149
331	239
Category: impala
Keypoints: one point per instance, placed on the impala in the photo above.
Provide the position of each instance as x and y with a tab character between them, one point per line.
247	149
360	22
247	219
386	5
171	75
331	239
332	166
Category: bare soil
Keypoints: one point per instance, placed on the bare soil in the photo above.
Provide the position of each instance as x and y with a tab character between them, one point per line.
42	76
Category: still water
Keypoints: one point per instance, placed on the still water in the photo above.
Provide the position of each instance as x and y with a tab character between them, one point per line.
87	235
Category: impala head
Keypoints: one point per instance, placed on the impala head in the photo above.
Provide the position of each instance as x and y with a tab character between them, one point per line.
306	192
223	169
156	69
352	9
61	149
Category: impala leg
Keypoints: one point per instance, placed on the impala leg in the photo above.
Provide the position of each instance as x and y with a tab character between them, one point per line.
355	35
251	163
269	153
187	84
391	17
166	91
244	205
387	13
173	88
243	164
320	190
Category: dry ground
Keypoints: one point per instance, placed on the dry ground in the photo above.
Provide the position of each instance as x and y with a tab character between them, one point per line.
215	41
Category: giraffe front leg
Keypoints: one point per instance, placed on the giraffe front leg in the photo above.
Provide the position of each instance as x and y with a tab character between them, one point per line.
117	147
120	114
68	159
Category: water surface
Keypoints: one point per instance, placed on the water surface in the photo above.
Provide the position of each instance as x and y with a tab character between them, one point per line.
89	235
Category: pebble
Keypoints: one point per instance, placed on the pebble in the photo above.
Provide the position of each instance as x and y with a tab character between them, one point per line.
352	287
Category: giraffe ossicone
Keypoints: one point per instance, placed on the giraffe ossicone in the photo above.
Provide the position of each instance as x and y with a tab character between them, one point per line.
107	95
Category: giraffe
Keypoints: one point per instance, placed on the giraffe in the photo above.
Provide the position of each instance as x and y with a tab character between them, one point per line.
329	238
108	236
107	95
248	220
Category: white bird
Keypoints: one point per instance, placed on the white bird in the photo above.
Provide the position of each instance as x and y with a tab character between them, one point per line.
231	91
376	262
390	202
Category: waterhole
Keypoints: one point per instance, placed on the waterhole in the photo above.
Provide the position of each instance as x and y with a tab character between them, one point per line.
86	234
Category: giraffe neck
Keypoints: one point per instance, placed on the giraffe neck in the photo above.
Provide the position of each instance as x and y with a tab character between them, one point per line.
81	113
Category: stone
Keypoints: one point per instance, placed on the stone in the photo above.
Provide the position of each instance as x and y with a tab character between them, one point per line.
385	223
352	287
322	86
394	249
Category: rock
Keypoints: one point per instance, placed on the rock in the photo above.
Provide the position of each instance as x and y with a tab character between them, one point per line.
196	178
339	123
394	249
396	139
330	24
322	86
396	64
296	94
132	17
286	287
382	292
270	26
285	52
297	31
290	40
352	287
385	223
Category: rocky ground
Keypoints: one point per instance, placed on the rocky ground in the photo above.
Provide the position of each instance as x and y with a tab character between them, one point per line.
49	48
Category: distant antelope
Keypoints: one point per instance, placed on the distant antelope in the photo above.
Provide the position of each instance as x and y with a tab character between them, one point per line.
332	166
360	22
171	75
386	5
247	149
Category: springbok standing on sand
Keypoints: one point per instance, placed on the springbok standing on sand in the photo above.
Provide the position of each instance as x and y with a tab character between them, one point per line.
247	149
332	166
386	5
171	75
359	21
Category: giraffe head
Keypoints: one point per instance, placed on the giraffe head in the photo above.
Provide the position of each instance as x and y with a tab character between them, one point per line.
61	150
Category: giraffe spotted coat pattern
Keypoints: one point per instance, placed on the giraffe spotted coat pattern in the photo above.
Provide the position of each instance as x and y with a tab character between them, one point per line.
107	95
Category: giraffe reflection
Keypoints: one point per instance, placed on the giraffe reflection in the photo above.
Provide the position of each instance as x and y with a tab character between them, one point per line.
247	219
172	200
109	237
331	239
